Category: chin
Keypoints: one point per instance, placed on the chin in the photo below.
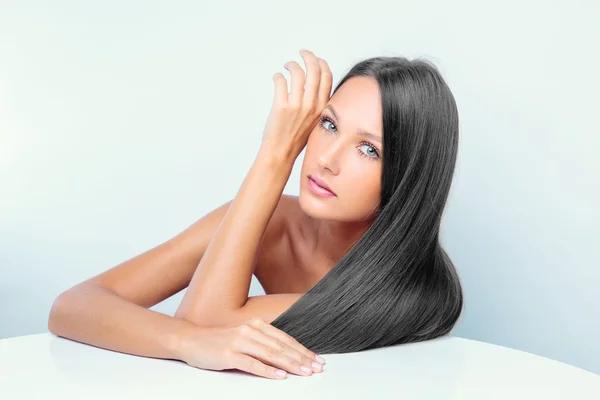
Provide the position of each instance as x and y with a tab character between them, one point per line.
316	207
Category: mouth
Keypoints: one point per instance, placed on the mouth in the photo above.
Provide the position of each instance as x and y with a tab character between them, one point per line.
319	187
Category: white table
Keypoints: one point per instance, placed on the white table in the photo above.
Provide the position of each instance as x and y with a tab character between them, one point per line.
46	366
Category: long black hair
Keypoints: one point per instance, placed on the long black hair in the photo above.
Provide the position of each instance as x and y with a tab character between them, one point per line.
396	284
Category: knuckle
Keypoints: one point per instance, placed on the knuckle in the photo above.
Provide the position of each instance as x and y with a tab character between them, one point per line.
271	354
322	62
245	329
256	322
297	69
326	72
281	345
309	106
305	360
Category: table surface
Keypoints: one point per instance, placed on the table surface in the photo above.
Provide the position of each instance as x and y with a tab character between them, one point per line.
45	365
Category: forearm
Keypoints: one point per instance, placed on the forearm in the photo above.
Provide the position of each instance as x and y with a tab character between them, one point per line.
94	315
222	279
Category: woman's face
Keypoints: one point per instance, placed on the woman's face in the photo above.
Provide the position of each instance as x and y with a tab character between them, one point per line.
348	162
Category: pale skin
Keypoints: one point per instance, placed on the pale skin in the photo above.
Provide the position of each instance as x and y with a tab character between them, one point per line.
288	243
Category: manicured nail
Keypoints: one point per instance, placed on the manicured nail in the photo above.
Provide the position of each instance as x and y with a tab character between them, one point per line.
321	359
280	373
305	368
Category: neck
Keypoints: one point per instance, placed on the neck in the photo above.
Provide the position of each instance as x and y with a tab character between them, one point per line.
333	239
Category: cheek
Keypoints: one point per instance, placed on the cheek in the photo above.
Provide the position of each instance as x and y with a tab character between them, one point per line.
364	181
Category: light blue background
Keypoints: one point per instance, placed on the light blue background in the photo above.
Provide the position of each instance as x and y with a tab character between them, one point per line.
122	122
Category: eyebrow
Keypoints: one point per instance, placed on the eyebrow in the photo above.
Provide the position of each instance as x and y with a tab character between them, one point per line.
359	132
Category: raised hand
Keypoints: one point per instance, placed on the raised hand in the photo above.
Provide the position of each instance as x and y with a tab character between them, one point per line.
294	115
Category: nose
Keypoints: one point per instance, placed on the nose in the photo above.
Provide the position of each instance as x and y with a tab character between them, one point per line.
328	159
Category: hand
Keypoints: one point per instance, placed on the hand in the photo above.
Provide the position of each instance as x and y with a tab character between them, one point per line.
256	347
294	116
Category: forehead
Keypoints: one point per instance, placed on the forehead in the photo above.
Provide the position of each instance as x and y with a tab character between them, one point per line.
358	104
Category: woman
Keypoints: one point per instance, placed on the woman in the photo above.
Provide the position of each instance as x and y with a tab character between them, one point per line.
353	263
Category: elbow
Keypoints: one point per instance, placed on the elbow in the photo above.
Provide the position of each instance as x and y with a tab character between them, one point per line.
56	310
185	315
193	317
62	307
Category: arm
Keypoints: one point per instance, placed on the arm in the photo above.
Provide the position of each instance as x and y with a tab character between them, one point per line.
94	315
218	292
266	307
219	288
110	310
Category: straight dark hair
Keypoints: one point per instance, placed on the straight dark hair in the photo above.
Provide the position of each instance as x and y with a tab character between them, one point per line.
396	284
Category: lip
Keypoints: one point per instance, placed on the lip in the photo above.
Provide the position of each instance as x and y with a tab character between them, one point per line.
321	183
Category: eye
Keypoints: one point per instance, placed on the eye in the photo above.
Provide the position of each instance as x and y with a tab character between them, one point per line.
373	154
326	120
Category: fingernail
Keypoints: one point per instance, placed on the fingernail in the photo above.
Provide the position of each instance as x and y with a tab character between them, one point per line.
280	373
305	368
317	366
321	359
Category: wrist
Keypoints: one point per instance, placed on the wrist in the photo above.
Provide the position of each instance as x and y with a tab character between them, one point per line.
276	159
273	173
178	338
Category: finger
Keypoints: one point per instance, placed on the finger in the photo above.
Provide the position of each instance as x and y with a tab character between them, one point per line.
281	91
297	73
325	84
296	358
313	77
283	337
256	367
270	355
